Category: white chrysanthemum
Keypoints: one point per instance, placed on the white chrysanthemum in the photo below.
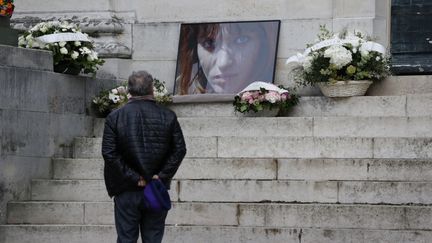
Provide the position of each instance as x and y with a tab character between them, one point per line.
114	91
339	56
63	51
62	43
74	55
77	43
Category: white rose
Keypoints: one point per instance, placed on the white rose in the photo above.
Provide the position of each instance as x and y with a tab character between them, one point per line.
44	29
62	43
21	41
63	51
114	91
90	58
35	44
74	55
77	43
114	98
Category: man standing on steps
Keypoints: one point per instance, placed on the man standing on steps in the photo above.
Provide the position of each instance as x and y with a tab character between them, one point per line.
141	141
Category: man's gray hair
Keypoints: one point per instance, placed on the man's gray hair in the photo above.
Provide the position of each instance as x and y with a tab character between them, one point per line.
140	83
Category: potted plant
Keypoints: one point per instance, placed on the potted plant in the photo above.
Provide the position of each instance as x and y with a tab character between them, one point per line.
342	64
264	99
109	100
73	51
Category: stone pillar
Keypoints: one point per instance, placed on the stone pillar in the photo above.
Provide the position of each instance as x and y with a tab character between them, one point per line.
8	36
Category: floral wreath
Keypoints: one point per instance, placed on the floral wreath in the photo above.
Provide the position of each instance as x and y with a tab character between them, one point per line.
6	8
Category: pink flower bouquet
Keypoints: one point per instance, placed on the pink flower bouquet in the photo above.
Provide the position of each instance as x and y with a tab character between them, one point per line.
261	95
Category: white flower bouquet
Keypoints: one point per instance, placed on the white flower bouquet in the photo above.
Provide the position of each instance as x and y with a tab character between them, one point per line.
261	95
72	50
109	100
341	57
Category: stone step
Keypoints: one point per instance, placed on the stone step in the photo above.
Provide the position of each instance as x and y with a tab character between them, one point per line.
402	85
301	126
77	190
26	58
313	106
372	192
306	191
210	234
190	169
235	214
286	147
284	169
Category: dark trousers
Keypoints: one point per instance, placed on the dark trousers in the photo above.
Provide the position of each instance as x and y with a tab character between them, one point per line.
131	217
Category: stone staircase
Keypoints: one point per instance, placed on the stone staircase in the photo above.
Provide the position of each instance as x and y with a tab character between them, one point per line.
335	170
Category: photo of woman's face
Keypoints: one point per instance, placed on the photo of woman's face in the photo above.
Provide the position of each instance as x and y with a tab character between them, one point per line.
229	59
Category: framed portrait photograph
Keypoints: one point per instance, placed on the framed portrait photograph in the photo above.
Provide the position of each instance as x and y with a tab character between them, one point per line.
225	57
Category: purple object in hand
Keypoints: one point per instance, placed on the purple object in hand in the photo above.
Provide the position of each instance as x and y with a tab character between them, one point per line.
156	197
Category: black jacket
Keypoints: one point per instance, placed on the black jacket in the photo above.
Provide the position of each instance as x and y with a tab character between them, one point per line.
140	139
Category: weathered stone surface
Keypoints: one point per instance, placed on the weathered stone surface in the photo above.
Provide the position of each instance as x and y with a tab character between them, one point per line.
293	37
353	8
336	216
227	169
355	169
196	146
365	24
295	147
203	214
419	105
156	41
69	190
77	169
45	213
26	58
402	85
56	93
57	233
43	6
247	126
372	126
385	192
210	234
157	11
256	191
259	215
189	169
355	106
402	148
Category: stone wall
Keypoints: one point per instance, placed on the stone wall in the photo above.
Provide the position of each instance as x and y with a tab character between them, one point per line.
41	112
138	34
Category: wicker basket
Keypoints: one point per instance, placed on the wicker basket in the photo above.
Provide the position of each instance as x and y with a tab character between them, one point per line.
345	88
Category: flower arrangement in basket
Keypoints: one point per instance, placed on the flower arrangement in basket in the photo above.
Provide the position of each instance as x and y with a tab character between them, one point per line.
6	8
73	51
260	96
109	100
342	61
